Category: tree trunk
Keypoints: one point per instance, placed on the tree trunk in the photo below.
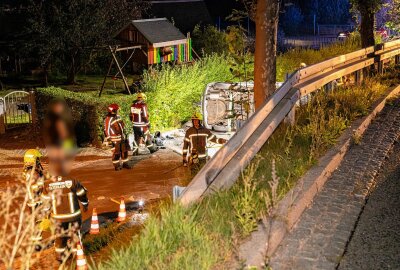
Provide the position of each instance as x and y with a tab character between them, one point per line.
265	52
72	70
367	28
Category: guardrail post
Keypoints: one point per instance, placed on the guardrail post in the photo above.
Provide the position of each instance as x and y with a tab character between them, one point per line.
358	76
397	59
380	67
291	116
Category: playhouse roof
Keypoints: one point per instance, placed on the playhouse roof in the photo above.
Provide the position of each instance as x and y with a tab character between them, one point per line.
158	30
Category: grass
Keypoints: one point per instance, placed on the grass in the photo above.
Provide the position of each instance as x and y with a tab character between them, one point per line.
206	235
18	119
175	92
289	61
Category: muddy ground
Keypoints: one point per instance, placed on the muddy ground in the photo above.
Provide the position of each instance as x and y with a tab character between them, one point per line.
150	179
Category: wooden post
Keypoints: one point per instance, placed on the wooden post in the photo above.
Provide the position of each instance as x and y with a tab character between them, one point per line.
358	77
120	70
2	124
291	116
397	59
105	77
380	67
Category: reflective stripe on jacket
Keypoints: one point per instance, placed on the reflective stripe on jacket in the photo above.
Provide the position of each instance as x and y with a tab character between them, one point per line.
139	114
197	139
114	128
64	197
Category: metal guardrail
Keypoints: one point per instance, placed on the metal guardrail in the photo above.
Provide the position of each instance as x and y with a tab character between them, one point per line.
222	171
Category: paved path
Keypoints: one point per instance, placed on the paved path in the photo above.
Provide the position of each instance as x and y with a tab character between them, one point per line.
375	243
319	239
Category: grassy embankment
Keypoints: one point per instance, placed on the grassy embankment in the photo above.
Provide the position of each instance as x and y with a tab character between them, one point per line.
205	235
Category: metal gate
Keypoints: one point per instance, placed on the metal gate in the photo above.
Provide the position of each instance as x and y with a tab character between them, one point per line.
16	108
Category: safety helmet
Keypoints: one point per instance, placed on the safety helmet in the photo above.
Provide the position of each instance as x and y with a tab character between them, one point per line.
141	95
113	108
32	156
303	65
197	116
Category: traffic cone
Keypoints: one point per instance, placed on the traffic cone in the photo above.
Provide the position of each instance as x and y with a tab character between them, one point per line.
94	225
80	258
122	211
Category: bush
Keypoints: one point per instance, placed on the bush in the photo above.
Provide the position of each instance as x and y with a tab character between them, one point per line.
207	40
88	111
173	93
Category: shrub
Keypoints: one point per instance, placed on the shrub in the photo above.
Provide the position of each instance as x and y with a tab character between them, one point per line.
174	92
207	40
88	111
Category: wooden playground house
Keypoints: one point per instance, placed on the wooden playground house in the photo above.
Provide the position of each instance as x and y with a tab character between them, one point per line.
146	43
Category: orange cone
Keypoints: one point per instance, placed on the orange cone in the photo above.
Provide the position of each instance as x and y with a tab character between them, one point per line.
80	259
94	225
122	211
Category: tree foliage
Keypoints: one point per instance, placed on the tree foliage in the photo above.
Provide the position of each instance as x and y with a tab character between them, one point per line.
75	30
393	14
291	20
208	40
367	9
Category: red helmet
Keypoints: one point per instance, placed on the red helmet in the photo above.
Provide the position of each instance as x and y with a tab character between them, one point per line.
113	108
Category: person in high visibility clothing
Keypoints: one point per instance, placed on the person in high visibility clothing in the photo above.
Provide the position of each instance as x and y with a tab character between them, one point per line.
34	176
114	130
62	196
195	143
141	124
33	173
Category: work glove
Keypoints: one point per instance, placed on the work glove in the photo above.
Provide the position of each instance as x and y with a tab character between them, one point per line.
185	163
85	208
222	141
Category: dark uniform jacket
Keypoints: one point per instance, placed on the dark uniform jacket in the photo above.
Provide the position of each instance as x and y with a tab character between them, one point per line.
64	197
114	128
139	114
197	139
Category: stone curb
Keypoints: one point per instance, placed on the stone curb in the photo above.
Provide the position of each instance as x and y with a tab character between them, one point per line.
263	242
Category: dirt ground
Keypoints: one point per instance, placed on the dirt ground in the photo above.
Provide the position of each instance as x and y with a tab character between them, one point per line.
151	177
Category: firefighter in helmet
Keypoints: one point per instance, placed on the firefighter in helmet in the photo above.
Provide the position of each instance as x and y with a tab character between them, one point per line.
63	195
114	130
33	173
195	144
34	176
141	125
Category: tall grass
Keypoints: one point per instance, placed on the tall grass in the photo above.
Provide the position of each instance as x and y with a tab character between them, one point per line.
174	92
206	235
289	61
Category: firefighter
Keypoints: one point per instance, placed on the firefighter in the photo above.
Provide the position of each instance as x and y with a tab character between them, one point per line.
34	176
141	125
114	132
33	173
63	195
195	144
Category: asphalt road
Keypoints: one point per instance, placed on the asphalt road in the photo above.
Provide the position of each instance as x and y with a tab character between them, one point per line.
375	243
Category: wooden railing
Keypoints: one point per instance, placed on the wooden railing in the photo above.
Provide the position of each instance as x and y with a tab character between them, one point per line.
222	171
